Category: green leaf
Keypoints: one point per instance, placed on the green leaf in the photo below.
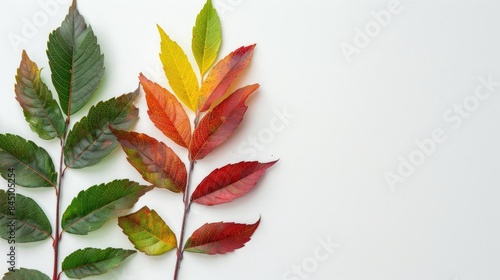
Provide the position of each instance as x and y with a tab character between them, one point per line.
25	274
148	232
207	37
33	166
75	60
179	71
93	207
90	140
91	262
21	219
40	110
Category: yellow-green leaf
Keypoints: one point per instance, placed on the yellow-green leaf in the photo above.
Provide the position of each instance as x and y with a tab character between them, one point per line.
179	71
207	37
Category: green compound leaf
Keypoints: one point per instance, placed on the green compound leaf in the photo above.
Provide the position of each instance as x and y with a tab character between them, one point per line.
40	110
21	219
207	37
91	262
148	232
90	140
25	274
93	207
32	165
75	60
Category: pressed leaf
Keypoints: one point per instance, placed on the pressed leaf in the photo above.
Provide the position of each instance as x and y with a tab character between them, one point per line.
23	215
93	207
166	112
148	232
220	123
220	238
40	110
154	160
223	74
32	164
207	37
91	262
179	71
75	60
229	182
90	139
25	274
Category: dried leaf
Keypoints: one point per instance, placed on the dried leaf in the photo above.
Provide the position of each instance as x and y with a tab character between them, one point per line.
179	71
93	207
220	123
75	60
40	110
148	232
220	238
154	160
207	37
166	112
223	74
90	140
229	182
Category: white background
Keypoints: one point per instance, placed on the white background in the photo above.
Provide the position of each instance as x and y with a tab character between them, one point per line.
349	124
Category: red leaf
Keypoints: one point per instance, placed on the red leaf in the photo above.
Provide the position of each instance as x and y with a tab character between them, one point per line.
220	238
229	182
220	123
154	160
223	74
166	112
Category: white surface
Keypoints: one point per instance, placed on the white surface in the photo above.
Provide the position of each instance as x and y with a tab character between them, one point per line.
351	122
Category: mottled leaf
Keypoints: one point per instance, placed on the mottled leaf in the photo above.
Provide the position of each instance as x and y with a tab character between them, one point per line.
32	164
39	107
166	112
93	207
154	160
220	123
229	182
148	232
25	274
207	37
222	75
22	219
75	60
91	262
90	139
179	71
220	238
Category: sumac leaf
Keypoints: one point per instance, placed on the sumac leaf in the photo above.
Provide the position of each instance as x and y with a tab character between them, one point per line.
39	107
148	232
25	274
220	238
32	164
223	74
93	207
155	161
91	262
75	60
207	37
166	112
179	71
24	216
90	139
229	182
218	124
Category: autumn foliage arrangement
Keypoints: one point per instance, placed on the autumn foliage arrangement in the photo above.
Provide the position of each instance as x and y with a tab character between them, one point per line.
198	113
215	113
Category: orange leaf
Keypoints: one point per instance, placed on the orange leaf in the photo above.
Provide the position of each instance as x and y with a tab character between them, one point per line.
223	74
166	112
220	123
